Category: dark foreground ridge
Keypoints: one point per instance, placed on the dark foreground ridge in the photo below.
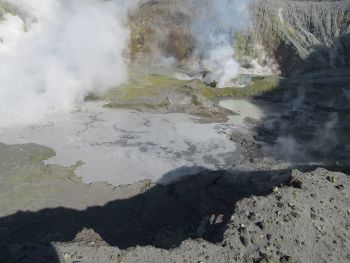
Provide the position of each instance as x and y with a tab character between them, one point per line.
240	216
160	216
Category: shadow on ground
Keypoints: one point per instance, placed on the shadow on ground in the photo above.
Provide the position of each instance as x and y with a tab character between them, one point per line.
197	206
309	113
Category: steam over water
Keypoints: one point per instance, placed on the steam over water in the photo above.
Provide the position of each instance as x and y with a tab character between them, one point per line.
54	52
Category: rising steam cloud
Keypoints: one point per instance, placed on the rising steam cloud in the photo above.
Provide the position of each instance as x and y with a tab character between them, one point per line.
54	52
213	31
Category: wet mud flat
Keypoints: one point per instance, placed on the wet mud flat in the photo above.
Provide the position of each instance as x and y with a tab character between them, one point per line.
129	145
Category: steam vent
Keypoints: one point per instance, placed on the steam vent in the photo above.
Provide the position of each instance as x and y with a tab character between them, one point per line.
174	131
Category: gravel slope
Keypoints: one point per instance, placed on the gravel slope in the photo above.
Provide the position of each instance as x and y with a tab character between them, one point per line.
271	216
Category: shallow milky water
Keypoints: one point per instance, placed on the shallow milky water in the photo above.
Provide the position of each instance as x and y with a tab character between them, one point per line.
244	108
124	146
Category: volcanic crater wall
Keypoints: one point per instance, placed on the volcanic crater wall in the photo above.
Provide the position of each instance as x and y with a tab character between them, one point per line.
283	31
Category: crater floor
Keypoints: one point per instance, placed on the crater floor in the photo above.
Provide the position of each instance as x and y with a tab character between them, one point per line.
130	145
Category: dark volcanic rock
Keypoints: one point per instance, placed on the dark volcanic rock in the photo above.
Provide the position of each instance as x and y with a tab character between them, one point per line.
163	222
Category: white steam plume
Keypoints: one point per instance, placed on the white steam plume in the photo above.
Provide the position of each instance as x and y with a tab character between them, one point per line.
54	52
213	31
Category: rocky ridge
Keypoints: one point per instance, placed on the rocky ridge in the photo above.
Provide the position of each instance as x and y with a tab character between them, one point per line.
303	219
